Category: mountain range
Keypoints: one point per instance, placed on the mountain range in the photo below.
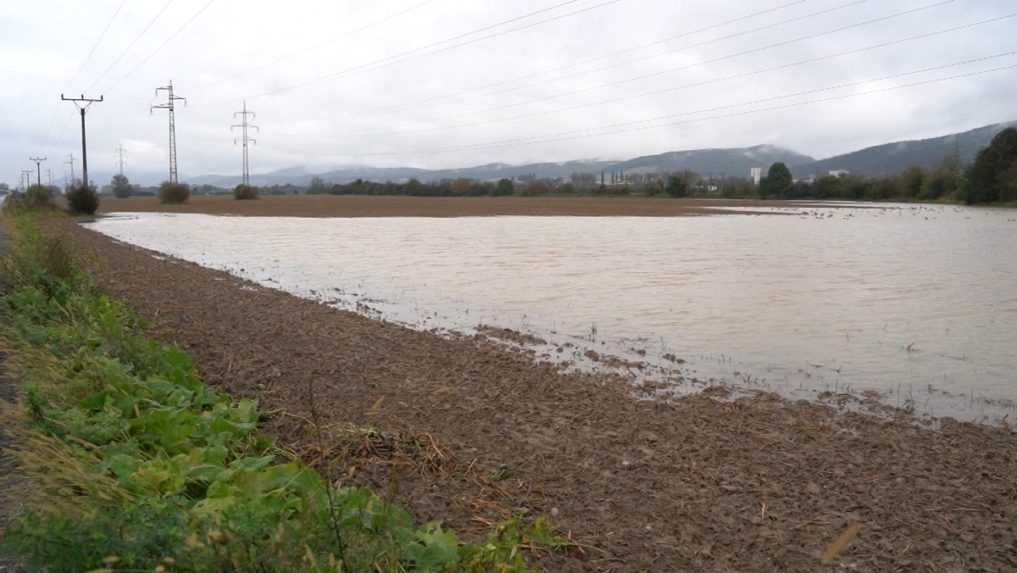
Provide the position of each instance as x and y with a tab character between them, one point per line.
873	161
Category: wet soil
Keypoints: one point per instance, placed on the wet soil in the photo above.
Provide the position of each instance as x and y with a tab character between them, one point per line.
383	206
466	431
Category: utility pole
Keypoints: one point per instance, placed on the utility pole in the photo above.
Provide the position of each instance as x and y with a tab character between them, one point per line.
26	174
170	105
82	104
120	152
70	161
38	169
244	126
49	176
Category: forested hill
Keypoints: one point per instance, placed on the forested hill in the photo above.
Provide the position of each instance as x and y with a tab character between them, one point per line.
892	158
714	162
886	159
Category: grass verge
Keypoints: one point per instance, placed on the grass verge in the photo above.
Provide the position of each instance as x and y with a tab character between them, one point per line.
132	463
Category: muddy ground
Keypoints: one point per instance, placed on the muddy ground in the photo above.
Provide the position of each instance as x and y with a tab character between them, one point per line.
362	206
471	433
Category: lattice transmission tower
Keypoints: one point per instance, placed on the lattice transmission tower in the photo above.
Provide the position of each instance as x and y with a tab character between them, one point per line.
120	157
244	126
170	106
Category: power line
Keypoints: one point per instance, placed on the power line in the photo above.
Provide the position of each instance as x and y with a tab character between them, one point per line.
631	126
731	56
741	75
131	45
773	25
170	106
593	59
814	60
349	33
169	39
98	41
388	60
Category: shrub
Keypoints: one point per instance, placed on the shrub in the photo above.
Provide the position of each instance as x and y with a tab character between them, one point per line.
677	186
34	257
535	187
777	182
243	192
83	200
38	197
504	187
14	203
174	193
121	186
991	175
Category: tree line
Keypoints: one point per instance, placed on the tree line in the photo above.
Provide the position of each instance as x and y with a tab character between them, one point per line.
992	177
446	188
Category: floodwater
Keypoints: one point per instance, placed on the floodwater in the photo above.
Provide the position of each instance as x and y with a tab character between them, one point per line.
915	303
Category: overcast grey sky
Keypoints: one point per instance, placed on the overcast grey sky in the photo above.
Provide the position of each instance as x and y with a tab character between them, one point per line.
342	82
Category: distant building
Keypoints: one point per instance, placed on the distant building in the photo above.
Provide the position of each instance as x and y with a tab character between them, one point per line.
756	175
840	172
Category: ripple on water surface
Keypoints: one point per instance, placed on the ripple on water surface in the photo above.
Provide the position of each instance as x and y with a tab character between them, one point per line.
917	303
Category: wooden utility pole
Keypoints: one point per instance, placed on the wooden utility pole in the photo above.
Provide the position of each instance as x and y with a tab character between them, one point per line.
82	104
38	169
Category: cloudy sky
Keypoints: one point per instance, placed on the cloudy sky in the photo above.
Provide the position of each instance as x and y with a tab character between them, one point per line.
447	83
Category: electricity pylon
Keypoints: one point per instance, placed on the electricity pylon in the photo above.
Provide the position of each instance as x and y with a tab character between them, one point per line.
70	161
120	153
170	105
244	126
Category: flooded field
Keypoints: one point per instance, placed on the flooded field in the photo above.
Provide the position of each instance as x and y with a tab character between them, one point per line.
915	304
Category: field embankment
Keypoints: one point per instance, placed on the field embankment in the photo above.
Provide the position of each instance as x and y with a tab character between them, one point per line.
466	431
385	206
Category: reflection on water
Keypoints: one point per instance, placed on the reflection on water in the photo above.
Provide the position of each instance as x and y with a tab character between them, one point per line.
917	303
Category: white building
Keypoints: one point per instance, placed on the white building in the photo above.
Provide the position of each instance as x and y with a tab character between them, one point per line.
756	174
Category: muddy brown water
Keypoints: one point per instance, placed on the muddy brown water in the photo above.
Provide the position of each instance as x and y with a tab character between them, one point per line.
917	304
